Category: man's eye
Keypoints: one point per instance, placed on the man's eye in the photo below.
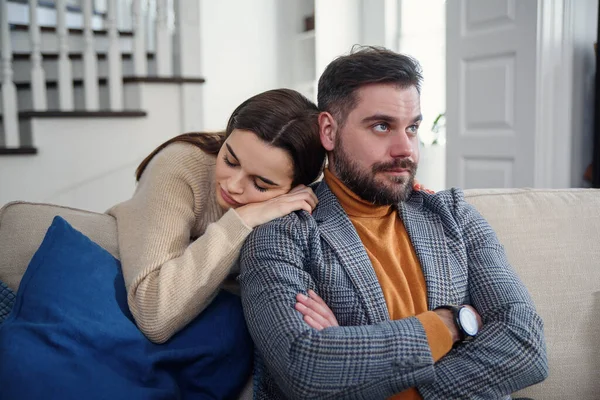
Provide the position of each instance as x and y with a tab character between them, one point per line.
381	127
413	129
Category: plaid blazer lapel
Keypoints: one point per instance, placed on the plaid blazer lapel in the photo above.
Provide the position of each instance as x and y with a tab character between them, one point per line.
427	236
339	233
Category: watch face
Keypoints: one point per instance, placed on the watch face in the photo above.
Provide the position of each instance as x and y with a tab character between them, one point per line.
468	321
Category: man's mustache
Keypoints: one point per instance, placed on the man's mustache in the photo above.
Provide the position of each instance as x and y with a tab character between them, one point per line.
404	163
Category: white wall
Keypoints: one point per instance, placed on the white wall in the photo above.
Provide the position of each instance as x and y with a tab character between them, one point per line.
425	40
90	163
338	28
239	54
584	22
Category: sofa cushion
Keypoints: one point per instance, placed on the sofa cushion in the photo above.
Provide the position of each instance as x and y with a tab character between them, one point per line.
71	328
23	225
552	239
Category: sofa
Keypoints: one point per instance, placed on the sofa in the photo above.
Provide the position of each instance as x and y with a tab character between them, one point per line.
552	238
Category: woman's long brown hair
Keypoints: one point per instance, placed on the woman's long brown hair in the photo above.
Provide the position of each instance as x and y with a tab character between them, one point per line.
282	118
209	142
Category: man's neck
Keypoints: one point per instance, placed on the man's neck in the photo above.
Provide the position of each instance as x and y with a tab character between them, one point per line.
353	204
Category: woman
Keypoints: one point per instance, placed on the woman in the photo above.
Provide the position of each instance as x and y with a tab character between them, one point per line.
200	195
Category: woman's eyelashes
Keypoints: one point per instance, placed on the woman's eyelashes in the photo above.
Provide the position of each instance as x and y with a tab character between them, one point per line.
229	163
260	189
233	165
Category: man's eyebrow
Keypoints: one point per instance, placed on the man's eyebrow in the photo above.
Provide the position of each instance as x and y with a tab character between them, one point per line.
231	151
418	118
389	119
380	117
267	181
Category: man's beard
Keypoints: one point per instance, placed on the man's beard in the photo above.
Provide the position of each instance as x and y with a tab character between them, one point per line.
365	183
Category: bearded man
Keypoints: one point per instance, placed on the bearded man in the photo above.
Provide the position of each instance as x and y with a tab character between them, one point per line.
405	294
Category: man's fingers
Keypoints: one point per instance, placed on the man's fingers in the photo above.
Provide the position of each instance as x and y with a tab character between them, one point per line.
322	309
314	315
316	308
312	323
313	295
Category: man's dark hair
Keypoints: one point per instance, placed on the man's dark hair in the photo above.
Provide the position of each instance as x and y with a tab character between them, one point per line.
364	65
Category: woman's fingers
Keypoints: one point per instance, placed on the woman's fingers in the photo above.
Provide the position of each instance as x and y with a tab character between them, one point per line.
303	192
298	188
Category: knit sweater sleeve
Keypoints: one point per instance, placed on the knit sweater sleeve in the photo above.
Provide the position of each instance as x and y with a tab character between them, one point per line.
170	280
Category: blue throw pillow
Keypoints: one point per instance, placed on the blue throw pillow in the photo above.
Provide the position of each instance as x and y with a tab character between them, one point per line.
71	336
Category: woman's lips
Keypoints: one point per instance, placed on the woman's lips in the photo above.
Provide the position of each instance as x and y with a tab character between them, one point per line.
227	198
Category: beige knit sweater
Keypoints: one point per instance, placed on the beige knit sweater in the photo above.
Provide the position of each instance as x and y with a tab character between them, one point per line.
176	244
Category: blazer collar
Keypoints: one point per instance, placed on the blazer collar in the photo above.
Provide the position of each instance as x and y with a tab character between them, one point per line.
426	233
337	230
427	236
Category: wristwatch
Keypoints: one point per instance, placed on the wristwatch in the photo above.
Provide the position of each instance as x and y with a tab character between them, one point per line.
465	320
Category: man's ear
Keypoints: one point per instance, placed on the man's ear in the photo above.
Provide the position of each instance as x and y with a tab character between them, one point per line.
327	130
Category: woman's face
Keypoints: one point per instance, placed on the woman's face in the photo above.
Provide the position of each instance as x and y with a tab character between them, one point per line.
250	171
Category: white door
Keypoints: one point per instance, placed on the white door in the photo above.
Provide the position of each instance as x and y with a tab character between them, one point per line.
491	93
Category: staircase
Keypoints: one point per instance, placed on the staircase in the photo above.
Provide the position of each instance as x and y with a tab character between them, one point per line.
88	91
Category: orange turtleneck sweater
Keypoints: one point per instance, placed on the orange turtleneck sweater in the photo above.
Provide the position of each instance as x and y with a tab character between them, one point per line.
396	265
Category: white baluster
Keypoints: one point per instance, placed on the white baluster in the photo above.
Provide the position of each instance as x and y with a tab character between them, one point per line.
187	61
140	62
115	78
90	60
164	55
151	27
9	90
38	77
65	73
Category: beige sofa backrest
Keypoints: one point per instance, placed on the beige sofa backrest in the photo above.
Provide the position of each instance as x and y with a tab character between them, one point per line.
23	226
552	238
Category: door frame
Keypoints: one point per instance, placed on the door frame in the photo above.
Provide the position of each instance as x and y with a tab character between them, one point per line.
554	94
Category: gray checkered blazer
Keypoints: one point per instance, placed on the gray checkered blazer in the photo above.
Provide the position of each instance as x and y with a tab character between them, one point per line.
369	356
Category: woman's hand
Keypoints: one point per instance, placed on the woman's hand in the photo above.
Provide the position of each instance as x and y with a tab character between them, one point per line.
417	186
299	198
316	313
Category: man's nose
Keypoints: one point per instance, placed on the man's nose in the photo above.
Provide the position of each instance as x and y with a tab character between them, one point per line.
401	146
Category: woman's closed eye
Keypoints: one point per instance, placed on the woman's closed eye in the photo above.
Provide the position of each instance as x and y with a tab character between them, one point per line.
260	188
229	163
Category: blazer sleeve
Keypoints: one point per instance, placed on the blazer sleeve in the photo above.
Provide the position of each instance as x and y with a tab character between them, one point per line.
374	361
509	352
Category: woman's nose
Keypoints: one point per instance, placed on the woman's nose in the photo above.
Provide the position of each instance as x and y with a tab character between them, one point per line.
234	184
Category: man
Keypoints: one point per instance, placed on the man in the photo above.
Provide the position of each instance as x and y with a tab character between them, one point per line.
393	264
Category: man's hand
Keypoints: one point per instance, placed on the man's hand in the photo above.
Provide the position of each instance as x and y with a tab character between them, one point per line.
315	311
448	319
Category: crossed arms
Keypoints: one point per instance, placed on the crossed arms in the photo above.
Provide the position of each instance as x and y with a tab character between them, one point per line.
380	360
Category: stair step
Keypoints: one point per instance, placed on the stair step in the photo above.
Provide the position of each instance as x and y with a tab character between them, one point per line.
126	79
76	56
50	64
51	5
81	114
72	31
18	151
